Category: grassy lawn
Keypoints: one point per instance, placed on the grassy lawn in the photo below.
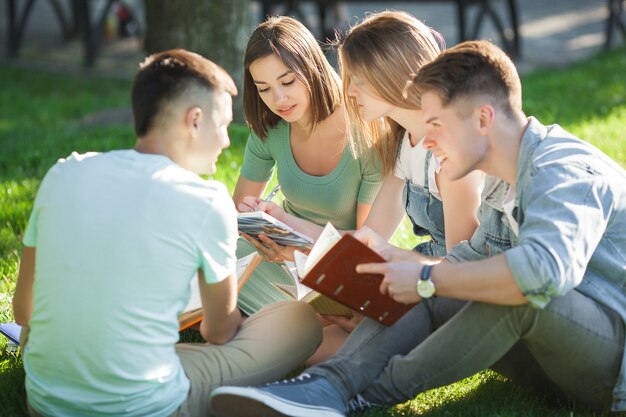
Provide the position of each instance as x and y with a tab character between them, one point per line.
44	117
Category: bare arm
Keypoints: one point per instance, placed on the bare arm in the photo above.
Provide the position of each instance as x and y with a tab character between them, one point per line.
245	188
489	281
23	297
220	315
461	199
387	211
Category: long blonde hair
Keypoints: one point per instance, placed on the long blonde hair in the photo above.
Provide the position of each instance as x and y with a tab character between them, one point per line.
385	50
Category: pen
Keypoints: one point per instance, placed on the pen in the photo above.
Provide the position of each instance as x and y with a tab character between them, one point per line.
272	193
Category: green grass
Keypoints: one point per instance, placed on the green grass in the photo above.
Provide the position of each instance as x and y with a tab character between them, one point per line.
42	118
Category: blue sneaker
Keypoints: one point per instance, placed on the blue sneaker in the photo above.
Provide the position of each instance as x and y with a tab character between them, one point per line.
303	396
358	404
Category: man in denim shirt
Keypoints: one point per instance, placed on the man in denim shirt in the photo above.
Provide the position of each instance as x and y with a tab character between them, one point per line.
549	311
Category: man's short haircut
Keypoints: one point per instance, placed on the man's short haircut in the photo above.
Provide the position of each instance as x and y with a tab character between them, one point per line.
473	69
166	76
298	49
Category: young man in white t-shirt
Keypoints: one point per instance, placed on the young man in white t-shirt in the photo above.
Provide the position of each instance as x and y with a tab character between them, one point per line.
113	242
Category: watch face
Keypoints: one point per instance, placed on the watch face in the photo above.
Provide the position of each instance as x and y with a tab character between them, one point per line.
425	288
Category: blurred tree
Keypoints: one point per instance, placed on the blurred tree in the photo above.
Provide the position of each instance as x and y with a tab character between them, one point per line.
216	29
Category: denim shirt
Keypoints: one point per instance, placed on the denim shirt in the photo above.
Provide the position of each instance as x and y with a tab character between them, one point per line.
426	214
571	208
494	234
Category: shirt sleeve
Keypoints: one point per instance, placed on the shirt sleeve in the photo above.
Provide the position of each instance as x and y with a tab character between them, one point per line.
30	235
371	177
217	239
31	232
258	162
561	223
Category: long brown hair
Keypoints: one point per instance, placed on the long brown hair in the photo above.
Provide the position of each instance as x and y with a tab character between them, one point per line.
297	48
385	50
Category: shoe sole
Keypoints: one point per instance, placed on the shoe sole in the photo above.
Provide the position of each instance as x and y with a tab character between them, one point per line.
242	402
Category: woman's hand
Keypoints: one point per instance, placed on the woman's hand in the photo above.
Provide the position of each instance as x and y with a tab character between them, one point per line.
251	203
272	251
348	324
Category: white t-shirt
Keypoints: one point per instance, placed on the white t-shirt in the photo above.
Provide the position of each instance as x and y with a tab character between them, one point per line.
509	205
119	236
410	165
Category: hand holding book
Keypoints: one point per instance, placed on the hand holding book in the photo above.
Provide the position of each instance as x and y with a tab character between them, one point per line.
330	269
272	251
259	222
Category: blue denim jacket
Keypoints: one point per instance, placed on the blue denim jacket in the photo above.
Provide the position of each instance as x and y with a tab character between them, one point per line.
571	208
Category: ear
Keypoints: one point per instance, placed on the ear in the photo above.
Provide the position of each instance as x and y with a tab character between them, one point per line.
193	118
486	117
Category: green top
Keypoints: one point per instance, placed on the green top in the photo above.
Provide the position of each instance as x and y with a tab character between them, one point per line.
320	199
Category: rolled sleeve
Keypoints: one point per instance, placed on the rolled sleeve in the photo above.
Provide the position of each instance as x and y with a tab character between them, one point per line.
563	220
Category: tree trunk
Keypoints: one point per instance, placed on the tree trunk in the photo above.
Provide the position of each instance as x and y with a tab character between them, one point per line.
216	29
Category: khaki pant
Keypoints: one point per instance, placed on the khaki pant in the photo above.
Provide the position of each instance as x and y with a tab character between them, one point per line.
269	344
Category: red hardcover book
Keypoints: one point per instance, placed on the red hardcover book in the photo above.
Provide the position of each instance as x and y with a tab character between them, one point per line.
335	276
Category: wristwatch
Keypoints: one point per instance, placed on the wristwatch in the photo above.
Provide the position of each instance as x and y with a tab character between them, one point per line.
425	285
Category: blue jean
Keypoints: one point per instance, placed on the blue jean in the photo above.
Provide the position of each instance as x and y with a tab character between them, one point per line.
368	349
573	346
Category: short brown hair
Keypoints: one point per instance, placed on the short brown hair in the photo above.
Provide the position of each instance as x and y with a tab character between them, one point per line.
473	68
298	49
166	76
385	50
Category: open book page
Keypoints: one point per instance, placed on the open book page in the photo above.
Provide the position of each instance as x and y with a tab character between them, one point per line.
298	290
329	237
192	313
257	222
258	291
320	303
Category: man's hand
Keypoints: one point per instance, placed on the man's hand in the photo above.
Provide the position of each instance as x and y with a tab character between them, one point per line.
400	279
388	251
